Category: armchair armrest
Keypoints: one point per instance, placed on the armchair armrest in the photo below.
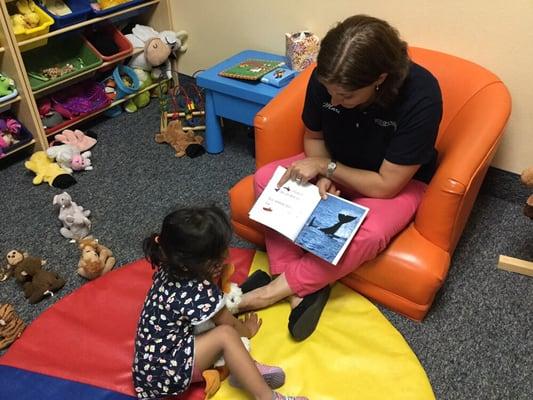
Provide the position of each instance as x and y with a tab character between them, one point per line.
278	126
466	150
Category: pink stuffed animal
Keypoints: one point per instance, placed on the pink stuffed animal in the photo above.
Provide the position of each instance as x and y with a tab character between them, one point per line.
77	139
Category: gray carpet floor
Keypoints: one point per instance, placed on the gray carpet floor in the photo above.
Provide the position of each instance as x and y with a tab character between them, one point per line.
476	342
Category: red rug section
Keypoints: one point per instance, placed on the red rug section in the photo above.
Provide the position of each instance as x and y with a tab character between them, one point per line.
88	335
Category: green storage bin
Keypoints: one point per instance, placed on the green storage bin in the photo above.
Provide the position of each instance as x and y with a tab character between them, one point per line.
59	52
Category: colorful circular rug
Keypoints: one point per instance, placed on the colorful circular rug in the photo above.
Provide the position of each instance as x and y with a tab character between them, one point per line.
82	347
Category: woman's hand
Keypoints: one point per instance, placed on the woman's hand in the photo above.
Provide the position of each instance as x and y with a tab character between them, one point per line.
252	322
303	171
326	185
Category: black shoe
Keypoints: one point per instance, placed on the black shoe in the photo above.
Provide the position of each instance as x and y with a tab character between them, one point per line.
304	317
258	279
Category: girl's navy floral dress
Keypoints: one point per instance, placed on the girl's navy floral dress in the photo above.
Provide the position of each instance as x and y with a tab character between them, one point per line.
164	346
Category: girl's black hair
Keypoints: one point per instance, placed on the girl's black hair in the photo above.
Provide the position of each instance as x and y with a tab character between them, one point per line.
193	241
355	52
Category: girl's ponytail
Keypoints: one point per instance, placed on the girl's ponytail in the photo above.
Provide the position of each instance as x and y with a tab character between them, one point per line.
152	251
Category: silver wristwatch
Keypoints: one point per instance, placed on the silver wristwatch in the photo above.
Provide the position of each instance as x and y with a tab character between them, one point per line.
332	166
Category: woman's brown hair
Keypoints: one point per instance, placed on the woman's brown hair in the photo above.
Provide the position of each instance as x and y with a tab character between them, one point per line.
355	52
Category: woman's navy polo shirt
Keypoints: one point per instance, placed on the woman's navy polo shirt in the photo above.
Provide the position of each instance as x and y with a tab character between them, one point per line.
403	133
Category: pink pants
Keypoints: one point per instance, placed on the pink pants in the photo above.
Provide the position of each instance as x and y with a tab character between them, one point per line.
307	273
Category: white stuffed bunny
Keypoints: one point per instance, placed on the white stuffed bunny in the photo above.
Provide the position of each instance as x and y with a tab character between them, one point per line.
69	158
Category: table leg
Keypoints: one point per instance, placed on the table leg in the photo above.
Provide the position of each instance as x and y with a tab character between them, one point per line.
213	131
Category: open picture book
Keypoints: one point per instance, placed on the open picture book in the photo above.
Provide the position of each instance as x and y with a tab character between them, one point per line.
324	227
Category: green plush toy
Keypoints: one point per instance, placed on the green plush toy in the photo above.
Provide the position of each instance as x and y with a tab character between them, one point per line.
142	99
7	85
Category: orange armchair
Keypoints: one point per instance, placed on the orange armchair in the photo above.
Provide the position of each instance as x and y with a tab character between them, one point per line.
407	275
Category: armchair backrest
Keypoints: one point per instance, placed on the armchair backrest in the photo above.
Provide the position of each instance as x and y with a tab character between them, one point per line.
476	106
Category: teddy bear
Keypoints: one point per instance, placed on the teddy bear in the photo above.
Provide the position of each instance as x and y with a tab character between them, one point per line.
95	260
527	179
48	171
11	326
183	142
76	224
24	261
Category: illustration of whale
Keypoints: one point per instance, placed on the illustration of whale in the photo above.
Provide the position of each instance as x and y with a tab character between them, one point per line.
331	230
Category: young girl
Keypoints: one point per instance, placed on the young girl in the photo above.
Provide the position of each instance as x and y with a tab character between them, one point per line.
187	255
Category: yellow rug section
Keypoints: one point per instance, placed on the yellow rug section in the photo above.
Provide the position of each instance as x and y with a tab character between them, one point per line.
355	353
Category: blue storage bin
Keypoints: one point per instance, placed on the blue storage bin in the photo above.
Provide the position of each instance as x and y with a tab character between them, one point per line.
81	10
99	13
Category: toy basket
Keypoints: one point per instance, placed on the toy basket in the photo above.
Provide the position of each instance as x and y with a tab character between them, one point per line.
79	11
45	21
123	90
98	13
23	136
59	52
109	32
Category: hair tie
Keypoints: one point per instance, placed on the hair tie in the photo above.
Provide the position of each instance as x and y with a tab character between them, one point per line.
377	88
156	239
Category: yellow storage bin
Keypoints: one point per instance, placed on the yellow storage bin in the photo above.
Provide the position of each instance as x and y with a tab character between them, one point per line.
45	21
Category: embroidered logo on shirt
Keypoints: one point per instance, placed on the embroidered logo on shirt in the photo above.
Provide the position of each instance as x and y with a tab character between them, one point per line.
385	124
330	107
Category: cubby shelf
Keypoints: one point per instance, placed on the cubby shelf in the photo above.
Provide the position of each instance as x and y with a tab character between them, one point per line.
155	13
91	21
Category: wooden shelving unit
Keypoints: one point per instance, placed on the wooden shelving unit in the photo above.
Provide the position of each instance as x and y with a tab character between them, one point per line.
155	13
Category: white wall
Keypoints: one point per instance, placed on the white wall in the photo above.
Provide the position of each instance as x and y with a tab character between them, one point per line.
494	33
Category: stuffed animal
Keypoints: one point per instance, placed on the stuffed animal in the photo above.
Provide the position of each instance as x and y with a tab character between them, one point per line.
527	179
183	142
27	19
7	85
38	283
76	224
17	258
69	158
77	138
11	326
158	47
48	171
142	99
95	260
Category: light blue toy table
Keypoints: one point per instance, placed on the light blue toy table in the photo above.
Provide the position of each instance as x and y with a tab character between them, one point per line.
235	99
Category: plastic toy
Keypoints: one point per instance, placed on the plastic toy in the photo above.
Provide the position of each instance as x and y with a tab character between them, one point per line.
76	224
11	326
47	171
95	260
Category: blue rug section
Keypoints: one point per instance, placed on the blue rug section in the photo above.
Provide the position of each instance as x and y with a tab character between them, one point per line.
25	385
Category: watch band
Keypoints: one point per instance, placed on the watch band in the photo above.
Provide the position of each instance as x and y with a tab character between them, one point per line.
332	166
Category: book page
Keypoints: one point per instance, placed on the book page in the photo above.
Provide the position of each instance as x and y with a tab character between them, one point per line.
331	227
285	209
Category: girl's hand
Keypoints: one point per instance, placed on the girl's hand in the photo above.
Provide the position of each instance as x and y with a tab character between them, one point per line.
302	171
326	185
252	322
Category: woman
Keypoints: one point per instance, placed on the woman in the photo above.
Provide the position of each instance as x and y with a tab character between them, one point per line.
371	119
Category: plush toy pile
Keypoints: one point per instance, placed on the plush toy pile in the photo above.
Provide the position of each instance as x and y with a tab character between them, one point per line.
26	18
